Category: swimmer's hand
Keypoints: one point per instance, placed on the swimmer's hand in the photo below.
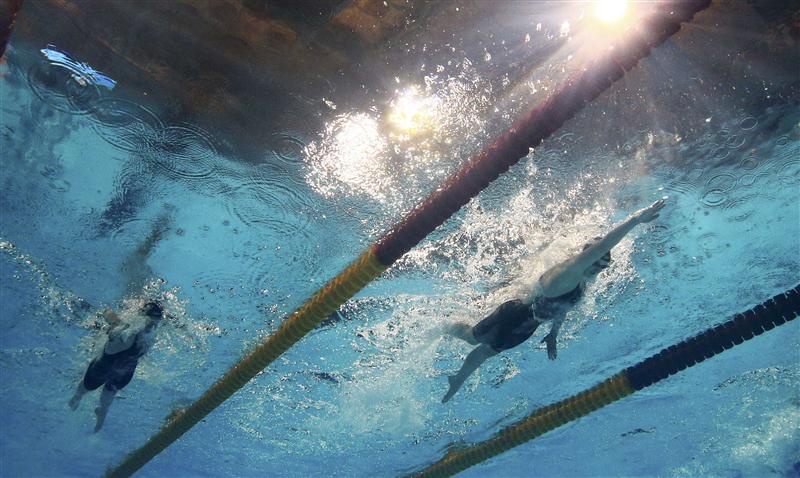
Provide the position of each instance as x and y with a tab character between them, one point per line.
649	213
550	340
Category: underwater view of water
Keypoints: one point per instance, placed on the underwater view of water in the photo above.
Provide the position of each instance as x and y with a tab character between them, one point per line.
87	172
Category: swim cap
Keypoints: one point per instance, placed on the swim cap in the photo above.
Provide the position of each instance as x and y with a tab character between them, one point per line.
153	310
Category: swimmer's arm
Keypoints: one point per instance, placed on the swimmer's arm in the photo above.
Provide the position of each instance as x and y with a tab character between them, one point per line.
564	277
550	339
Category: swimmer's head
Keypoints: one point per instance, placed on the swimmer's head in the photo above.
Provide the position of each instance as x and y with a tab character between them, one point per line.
153	310
599	264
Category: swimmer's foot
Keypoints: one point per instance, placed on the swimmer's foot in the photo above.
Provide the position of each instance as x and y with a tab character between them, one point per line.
74	402
454	386
101	417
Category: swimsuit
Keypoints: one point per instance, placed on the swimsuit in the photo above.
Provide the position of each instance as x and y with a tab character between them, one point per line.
508	326
549	308
115	370
514	322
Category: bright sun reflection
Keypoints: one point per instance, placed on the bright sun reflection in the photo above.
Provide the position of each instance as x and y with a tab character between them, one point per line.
610	11
351	153
412	113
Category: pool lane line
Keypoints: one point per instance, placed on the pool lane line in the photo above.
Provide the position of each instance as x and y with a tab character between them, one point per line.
776	311
476	175
9	9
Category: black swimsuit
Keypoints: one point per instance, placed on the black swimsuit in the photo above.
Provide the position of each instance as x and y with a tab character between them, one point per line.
549	308
514	322
115	370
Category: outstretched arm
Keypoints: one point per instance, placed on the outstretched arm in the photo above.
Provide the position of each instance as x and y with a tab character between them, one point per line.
565	276
135	267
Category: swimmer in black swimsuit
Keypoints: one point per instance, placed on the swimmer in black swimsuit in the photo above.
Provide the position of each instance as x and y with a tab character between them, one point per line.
121	354
556	291
128	340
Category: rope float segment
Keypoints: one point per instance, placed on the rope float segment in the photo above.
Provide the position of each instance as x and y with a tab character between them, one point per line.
473	177
742	327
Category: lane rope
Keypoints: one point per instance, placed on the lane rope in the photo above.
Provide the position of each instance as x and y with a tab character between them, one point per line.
474	176
742	327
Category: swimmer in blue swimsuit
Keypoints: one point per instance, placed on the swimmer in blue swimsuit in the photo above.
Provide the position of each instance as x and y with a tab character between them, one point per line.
129	339
554	294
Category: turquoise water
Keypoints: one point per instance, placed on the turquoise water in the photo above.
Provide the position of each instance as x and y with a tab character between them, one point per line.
86	172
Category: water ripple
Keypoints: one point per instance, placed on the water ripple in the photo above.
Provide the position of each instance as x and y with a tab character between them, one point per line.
183	152
750	163
710	242
720	153
680	187
125	124
713	198
288	148
722	181
789	172
747	180
736	208
748	123
271	204
735	141
692	268
659	233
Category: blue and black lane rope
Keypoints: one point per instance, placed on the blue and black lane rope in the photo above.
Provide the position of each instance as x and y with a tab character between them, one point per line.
742	327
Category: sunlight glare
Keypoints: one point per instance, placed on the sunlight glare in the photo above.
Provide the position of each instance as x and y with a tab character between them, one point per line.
412	113
610	11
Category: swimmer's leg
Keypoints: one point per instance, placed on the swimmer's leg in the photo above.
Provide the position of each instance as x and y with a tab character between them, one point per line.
462	331
76	399
472	362
106	398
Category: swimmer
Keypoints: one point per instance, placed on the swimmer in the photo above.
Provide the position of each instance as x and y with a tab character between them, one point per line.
128	340
556	291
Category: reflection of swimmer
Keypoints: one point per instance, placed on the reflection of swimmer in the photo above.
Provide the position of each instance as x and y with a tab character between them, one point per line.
556	291
128	339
